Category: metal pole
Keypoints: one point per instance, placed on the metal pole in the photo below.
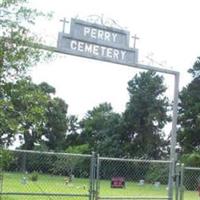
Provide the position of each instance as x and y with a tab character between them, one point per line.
97	178
182	182
177	181
92	166
173	135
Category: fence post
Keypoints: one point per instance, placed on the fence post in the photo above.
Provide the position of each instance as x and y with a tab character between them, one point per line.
92	177
182	182
177	181
171	180
97	178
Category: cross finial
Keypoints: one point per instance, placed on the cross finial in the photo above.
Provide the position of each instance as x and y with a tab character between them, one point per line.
135	38
64	22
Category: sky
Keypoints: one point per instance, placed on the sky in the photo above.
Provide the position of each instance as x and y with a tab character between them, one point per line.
169	35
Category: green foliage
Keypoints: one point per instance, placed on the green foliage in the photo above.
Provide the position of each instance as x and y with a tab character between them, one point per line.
79	149
34	176
29	104
16	25
145	116
191	160
101	130
195	70
189	113
48	89
6	159
34	114
56	127
157	172
16	56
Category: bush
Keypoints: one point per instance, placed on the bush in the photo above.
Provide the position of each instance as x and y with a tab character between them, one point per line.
191	160
157	173
34	176
6	158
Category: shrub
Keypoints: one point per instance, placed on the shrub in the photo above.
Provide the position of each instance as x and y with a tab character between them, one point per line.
157	173
34	176
6	158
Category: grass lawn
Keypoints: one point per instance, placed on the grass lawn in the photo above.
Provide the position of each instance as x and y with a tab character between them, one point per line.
13	182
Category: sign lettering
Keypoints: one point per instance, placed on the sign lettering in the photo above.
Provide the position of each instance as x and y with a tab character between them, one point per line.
97	42
101	34
97	50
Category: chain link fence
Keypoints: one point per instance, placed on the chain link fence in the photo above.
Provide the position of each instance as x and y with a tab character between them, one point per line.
29	175
132	179
190	183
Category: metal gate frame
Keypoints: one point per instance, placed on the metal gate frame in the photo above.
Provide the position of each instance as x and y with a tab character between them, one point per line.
91	180
180	179
97	180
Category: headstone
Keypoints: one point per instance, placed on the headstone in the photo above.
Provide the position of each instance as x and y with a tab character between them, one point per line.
141	182
157	184
24	180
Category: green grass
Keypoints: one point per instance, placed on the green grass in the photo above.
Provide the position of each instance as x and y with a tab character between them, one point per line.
12	182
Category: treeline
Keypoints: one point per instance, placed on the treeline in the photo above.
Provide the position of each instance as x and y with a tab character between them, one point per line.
41	120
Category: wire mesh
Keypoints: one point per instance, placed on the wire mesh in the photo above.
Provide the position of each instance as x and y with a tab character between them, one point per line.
132	179
37	175
29	175
191	183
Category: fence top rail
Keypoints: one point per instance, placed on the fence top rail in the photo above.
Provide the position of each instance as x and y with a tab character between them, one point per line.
134	197
135	160
52	153
192	168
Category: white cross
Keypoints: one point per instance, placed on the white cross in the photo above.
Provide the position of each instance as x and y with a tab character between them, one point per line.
64	22
135	38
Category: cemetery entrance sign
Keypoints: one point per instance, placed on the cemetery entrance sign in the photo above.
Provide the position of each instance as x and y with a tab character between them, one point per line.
98	42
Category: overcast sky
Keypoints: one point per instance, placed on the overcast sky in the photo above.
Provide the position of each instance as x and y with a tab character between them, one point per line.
168	30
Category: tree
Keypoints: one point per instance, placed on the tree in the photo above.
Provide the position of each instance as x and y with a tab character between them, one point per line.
56	127
189	112
38	115
73	138
100	130
16	53
16	56
145	116
29	104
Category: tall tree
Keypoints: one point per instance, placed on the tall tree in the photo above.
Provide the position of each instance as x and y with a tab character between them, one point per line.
56	126
29	104
41	118
73	132
145	116
189	112
16	21
101	130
